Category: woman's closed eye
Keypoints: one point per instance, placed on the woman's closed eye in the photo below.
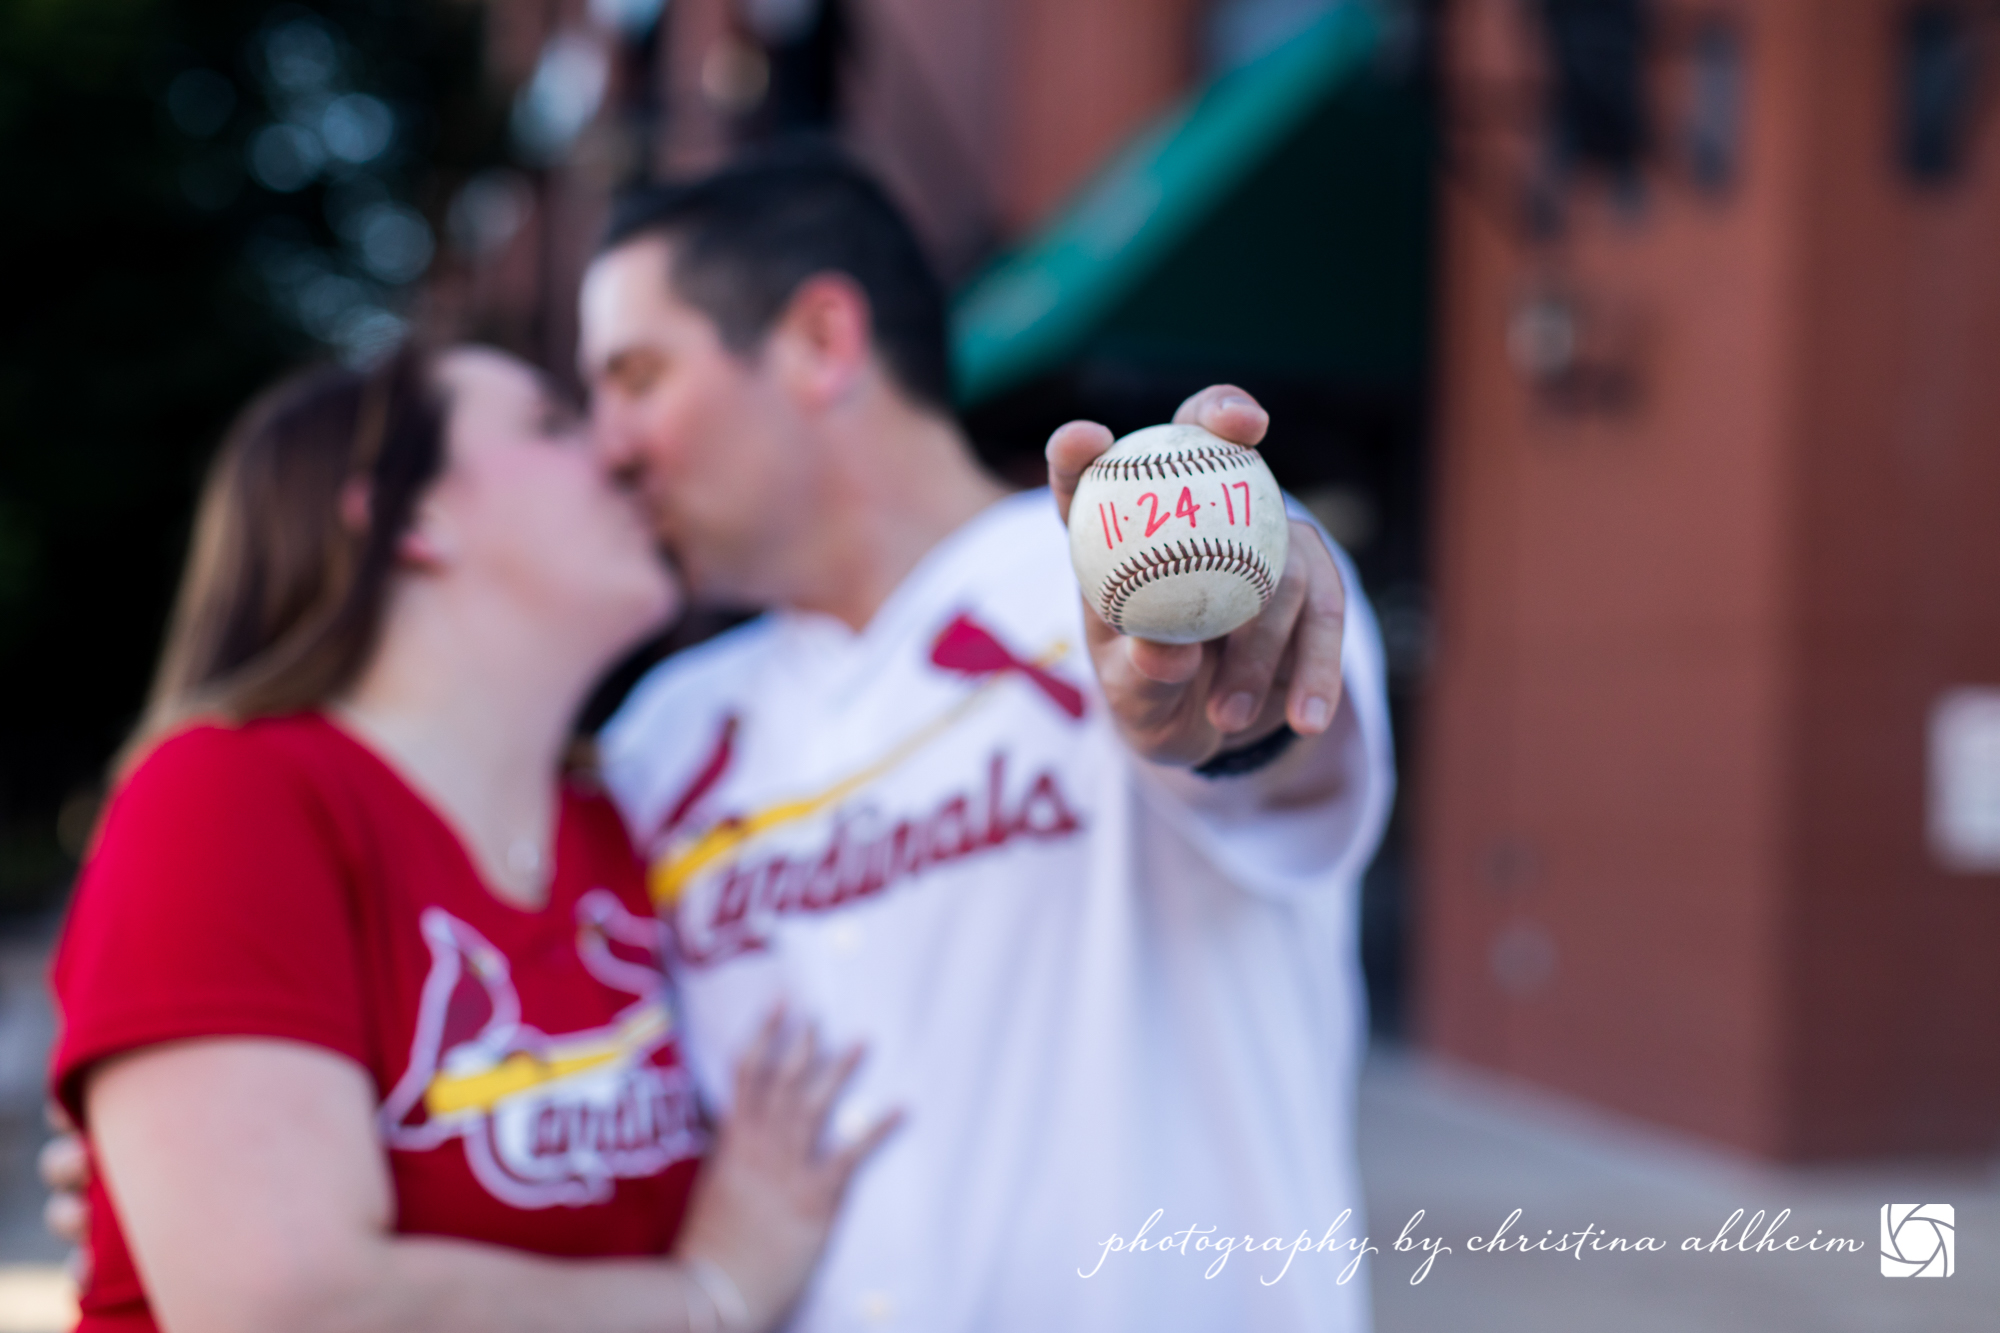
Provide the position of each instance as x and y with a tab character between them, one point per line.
559	423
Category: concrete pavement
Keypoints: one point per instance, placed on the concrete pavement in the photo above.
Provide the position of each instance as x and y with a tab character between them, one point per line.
1469	1149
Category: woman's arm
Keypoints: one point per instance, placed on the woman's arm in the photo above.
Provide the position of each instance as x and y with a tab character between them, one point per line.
254	1196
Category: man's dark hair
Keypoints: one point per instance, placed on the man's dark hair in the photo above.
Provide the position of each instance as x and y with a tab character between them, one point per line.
745	237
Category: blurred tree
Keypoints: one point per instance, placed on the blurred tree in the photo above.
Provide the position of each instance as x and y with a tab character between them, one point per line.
198	193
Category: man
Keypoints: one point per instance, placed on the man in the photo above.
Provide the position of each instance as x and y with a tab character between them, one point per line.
1089	900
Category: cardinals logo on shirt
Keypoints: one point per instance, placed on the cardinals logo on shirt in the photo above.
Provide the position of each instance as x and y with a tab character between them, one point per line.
743	887
547	1119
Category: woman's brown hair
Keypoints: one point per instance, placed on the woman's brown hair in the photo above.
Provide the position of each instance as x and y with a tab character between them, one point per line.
294	545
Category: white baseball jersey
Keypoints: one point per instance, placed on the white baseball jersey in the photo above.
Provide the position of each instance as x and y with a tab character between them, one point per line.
1099	988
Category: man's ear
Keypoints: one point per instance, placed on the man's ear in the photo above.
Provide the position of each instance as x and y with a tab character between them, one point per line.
823	340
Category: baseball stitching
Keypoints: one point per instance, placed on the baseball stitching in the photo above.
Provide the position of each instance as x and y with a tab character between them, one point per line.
1181	557
1161	467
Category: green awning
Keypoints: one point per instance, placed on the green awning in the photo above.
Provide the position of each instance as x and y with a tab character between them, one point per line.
1278	214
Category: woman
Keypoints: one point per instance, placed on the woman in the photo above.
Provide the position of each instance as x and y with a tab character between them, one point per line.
364	1021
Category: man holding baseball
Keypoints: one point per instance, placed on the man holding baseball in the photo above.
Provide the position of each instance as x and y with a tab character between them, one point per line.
1089	899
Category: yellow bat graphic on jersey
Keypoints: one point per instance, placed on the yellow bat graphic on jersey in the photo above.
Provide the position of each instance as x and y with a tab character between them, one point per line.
672	871
523	1071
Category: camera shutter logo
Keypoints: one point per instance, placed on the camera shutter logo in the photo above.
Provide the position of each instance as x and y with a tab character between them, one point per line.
1918	1239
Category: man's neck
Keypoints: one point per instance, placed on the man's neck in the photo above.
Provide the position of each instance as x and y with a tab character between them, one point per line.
901	484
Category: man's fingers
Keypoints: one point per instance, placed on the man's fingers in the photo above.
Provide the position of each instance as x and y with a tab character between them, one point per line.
1139	663
1315	692
64	1163
1225	410
1220	409
1073	448
1164	663
1316	679
1161	693
67	1217
1252	654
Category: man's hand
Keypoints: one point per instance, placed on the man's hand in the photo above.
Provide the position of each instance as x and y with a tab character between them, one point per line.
1186	703
64	1164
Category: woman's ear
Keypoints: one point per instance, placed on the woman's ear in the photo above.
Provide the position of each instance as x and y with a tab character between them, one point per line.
424	546
356	504
427	544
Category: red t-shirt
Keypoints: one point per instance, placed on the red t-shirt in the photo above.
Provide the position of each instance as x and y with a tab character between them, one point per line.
280	880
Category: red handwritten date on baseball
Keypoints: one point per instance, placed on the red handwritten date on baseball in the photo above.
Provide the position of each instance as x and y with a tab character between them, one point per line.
1186	507
1232	504
1153	520
1108	516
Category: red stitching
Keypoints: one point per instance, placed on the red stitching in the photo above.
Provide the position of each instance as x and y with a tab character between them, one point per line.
1162	467
1136	572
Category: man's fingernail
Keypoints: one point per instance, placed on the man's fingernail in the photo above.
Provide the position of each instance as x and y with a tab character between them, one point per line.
1316	714
1235	713
1237	400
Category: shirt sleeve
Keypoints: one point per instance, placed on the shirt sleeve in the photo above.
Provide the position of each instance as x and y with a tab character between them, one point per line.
1283	851
216	903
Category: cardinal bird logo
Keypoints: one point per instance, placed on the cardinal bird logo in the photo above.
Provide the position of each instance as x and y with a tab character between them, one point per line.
546	1119
967	647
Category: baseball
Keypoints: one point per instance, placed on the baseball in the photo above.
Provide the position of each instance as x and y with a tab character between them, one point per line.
1178	535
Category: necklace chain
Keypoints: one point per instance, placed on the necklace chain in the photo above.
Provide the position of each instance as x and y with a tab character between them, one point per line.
524	857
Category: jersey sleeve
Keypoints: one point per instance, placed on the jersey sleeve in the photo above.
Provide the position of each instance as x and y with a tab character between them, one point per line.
1284	851
215	903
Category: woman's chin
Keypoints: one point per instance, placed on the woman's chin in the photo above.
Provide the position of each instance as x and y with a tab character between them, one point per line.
663	612
653	609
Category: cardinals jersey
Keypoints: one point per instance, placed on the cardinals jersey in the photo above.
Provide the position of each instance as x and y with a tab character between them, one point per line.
1120	1004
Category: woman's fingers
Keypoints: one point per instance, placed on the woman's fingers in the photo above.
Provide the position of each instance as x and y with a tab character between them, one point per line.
818	1096
796	1061
845	1159
786	1088
796	1130
755	1069
803	1096
818	1102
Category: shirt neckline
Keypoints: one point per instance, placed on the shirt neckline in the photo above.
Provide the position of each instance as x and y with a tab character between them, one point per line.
443	825
912	596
